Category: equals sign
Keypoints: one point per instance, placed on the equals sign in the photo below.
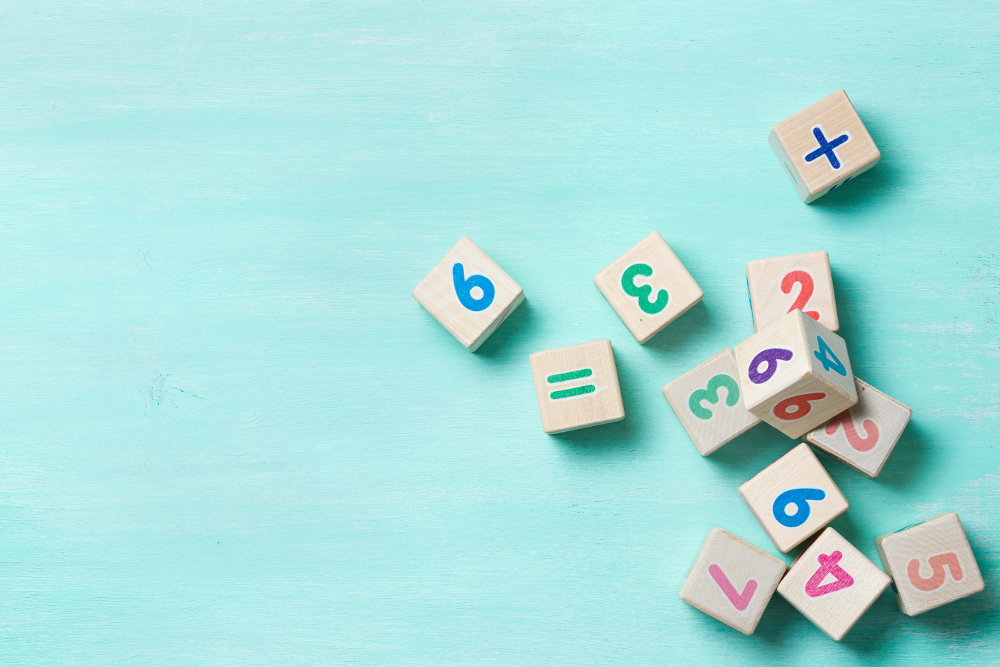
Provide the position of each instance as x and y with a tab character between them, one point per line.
560	378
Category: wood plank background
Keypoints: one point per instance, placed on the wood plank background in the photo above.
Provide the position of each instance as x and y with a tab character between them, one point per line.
229	436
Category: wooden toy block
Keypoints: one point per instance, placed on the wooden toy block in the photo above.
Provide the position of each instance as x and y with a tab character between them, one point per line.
468	294
823	146
793	498
707	401
732	580
648	287
931	564
863	436
832	584
795	374
577	386
779	285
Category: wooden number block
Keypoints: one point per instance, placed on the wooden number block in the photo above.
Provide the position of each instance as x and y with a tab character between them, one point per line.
779	285
469	294
648	287
823	146
795	374
577	386
793	498
832	584
863	436
707	401
931	564
732	580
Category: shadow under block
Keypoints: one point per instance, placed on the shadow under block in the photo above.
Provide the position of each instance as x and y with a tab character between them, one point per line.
779	285
468	294
648	287
732	580
793	498
795	374
707	401
832	584
823	146
931	564
577	386
863	436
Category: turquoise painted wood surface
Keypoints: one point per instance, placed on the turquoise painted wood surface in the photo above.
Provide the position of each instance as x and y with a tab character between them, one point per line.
229	436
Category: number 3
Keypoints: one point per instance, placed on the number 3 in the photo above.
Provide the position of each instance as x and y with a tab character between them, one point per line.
642	292
711	394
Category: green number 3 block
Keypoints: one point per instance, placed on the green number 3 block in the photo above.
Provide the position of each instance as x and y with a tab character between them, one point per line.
711	394
642	292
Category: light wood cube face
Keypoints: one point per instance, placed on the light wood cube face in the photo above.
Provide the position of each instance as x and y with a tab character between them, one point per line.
779	285
707	401
648	287
795	374
732	580
468	294
823	146
577	386
931	564
863	436
833	584
793	498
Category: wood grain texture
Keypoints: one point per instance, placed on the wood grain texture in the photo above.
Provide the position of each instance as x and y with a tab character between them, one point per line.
750	576
708	403
819	168
230	436
767	496
577	386
790	380
645	311
833	584
466	265
930	563
863	436
777	285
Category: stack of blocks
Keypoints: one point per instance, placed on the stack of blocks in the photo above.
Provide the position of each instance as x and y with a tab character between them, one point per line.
793	373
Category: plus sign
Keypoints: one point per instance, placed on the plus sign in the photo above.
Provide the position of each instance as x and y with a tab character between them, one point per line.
826	147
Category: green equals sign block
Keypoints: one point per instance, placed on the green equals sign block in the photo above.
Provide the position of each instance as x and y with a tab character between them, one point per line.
560	378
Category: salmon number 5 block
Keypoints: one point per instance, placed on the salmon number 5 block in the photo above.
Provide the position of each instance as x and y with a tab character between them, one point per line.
648	287
823	146
795	374
468	294
931	564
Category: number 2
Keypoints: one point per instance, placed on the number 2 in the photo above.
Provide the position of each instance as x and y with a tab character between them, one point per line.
844	419
711	394
805	293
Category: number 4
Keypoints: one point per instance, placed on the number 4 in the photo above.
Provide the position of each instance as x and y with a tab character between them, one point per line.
828	358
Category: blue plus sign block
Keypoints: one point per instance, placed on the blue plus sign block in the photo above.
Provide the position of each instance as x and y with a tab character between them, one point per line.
826	148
